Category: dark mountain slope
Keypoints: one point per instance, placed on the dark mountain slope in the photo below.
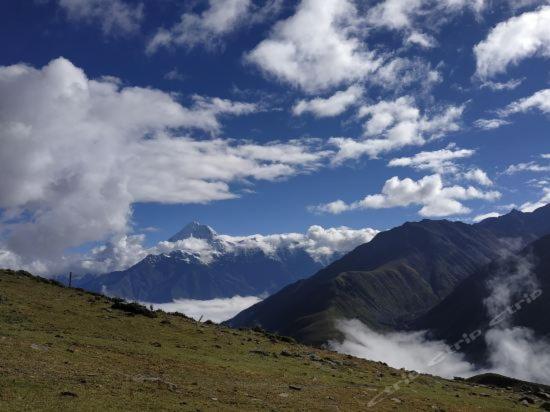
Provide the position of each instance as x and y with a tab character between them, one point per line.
465	310
398	276
526	226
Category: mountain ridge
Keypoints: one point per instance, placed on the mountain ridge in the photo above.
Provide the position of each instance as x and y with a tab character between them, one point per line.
465	309
392	280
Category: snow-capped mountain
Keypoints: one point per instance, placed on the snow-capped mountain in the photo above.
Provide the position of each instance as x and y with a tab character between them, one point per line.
198	263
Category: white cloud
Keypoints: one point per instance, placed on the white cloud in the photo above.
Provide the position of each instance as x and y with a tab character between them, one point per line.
114	16
514	40
395	124
78	152
526	167
409	350
216	310
511	351
421	39
429	192
490	124
332	106
316	48
519	353
479	218
322	244
175	74
408	16
509	85
540	100
478	176
532	206
438	161
394	14
514	352
123	251
398	73
219	19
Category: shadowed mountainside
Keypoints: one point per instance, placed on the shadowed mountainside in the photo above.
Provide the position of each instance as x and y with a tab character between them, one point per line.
465	309
394	279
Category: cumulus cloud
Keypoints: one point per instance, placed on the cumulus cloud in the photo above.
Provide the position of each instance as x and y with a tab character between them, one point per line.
78	152
429	192
395	124
114	16
216	310
512	41
478	176
438	161
322	244
316	48
331	106
221	18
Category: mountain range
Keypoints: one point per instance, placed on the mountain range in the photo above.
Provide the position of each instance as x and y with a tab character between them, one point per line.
511	292
214	267
392	281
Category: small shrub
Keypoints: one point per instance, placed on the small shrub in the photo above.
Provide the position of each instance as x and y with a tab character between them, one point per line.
133	308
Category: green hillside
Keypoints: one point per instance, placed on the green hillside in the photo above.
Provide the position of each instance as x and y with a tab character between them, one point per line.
65	349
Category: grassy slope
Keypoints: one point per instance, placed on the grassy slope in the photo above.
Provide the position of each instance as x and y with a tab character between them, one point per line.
386	283
55	340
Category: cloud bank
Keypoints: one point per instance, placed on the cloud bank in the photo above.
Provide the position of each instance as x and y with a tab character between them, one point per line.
512	351
216	310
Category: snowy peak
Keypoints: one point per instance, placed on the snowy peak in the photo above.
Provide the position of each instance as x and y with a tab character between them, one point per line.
195	230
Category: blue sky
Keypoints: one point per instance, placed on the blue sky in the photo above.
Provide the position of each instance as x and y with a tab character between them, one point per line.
378	81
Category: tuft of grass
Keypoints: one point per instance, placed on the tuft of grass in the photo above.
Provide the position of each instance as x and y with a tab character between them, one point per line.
65	349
